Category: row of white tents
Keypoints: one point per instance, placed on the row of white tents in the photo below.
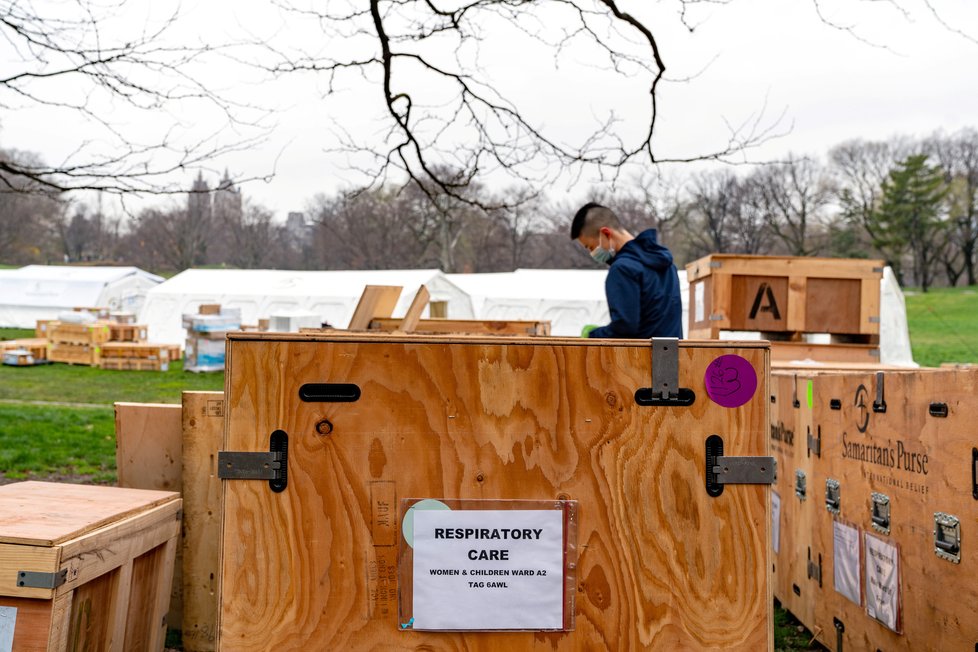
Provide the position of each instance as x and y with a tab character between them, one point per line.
569	299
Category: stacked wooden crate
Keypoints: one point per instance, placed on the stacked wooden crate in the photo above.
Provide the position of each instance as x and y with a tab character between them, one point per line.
135	356
206	332
77	343
786	299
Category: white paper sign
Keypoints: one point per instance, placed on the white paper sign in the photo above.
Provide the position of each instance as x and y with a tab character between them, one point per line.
846	560
8	621
776	522
882	581
488	569
698	302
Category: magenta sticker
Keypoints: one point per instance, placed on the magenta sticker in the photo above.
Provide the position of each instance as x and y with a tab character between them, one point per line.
730	381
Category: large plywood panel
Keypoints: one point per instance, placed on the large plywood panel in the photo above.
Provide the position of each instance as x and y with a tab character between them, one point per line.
662	565
924	464
203	436
759	303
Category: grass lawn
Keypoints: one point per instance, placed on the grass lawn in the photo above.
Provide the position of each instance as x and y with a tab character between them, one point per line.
943	325
57	442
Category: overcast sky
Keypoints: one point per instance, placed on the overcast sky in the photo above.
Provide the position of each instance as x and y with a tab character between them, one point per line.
898	71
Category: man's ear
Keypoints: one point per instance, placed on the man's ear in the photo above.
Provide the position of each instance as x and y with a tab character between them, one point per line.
606	231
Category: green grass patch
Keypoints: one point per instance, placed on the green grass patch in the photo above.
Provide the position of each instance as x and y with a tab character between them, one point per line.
16	334
943	325
57	442
80	384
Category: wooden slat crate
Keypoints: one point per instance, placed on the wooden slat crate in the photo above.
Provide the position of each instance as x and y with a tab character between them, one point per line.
41	328
784	294
460	326
37	346
139	350
75	354
127	332
108	553
133	364
78	334
661	565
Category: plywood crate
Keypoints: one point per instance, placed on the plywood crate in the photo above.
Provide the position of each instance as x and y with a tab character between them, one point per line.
90	335
662	565
37	347
137	356
784	294
75	354
108	554
460	326
905	439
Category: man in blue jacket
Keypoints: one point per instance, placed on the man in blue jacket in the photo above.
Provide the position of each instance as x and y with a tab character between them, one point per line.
642	285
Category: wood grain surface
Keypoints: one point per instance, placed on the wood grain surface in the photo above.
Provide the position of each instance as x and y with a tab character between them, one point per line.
662	565
938	596
203	436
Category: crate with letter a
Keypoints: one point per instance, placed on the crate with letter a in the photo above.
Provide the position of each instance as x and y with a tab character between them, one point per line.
85	567
785	295
347	454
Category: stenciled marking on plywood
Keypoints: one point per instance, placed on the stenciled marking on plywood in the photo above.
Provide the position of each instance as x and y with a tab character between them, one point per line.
382	582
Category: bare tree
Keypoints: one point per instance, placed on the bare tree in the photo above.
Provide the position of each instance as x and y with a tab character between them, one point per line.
82	59
23	214
714	199
957	156
794	196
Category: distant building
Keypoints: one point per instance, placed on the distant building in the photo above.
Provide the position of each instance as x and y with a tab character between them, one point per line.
227	201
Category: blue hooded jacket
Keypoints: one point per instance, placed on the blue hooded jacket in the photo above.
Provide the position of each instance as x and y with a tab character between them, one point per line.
643	292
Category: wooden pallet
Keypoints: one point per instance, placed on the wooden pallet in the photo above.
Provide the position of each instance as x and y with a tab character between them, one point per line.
784	294
74	354
133	364
36	346
661	565
140	350
107	551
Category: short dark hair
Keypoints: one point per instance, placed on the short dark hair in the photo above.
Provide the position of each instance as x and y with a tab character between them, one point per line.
590	217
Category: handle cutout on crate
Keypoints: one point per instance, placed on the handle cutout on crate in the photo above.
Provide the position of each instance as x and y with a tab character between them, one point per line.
329	392
648	397
938	410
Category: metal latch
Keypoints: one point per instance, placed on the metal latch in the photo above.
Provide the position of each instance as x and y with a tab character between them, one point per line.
947	537
879	405
974	473
801	484
881	513
815	443
723	470
35	580
744	470
665	389
272	465
839	629
833	496
233	465
794	392
874	320
815	570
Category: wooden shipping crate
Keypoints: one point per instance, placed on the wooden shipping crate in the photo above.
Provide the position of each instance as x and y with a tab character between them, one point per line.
90	335
460	326
75	354
36	346
783	294
902	450
85	567
662	565
134	364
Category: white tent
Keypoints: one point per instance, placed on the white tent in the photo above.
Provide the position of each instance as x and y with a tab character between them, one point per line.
568	298
332	295
42	291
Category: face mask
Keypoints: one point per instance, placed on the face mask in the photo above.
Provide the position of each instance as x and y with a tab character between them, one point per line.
602	255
